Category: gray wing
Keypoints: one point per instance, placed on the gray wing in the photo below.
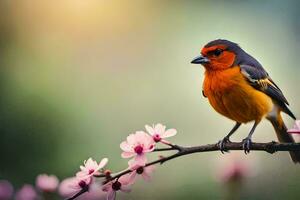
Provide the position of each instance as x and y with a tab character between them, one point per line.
260	80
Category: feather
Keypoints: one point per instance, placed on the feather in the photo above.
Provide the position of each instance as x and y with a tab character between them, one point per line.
260	80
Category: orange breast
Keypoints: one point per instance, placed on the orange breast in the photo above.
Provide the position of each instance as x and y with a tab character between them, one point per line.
231	95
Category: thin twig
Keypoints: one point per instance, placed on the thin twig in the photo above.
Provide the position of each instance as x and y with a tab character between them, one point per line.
164	149
82	191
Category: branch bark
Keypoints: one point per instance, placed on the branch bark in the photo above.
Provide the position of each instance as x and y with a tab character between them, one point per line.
270	147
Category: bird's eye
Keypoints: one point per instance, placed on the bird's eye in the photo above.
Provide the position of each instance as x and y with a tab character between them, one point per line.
218	52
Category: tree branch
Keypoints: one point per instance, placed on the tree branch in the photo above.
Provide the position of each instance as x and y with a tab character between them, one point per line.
270	147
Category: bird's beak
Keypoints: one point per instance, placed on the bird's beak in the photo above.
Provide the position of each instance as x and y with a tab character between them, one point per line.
200	60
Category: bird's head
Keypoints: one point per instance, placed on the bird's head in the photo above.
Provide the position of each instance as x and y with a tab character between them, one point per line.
219	54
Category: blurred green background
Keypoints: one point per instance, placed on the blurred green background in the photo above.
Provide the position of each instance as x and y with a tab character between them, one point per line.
78	76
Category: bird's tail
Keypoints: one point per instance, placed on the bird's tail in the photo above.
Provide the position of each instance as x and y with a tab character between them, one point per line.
283	136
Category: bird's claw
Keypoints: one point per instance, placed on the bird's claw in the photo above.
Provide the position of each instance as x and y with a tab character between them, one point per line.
247	142
222	143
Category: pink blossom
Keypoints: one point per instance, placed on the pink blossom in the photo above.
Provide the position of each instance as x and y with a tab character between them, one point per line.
91	168
235	172
6	190
137	145
47	183
235	168
67	189
27	192
296	128
145	172
95	193
121	184
73	185
159	132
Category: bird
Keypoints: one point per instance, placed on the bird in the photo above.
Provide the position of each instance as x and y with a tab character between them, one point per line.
239	88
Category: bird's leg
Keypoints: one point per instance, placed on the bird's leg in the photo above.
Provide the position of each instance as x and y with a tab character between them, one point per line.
247	141
226	138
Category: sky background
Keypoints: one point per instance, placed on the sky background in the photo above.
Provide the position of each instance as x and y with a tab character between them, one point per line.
77	77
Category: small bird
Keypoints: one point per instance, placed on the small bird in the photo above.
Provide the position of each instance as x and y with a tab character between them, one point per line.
239	88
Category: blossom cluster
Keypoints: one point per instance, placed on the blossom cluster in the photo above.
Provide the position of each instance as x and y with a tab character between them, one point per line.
93	180
136	147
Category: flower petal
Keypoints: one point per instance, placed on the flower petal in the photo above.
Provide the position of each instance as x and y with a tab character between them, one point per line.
133	166
127	154
107	187
150	148
149	170
131	178
66	187
296	128
159	129
125	179
88	162
141	136
125	188
150	129
80	174
102	163
146	177
140	160
131	139
169	133
111	195
125	146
